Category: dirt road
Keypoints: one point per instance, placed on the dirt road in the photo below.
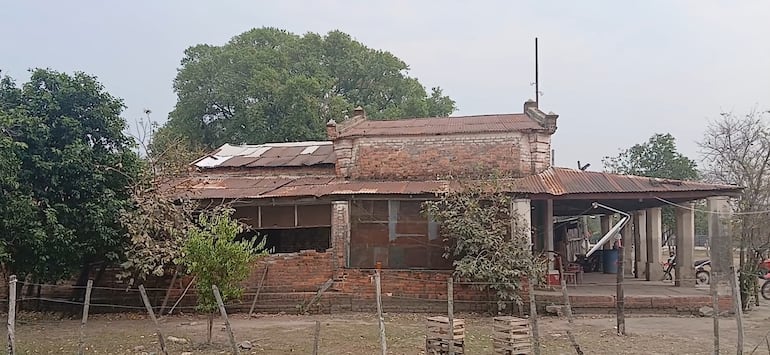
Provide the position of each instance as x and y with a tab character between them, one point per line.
356	333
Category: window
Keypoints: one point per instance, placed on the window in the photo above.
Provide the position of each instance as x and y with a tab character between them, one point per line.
290	228
395	234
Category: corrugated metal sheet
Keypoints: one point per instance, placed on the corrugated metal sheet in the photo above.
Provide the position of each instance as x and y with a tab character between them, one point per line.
564	181
292	154
555	182
442	125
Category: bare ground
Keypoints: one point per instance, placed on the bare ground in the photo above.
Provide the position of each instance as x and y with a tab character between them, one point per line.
356	333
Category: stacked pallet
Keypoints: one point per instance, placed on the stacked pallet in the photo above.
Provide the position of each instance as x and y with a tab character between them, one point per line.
512	336
439	336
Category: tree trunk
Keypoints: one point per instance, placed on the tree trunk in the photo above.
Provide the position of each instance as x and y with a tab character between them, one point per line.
100	273
79	292
211	325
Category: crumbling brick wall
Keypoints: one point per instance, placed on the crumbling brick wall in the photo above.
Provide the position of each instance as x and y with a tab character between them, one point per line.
431	157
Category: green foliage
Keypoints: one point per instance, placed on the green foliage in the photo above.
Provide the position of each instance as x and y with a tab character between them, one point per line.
658	158
212	253
65	166
159	222
157	228
488	241
269	85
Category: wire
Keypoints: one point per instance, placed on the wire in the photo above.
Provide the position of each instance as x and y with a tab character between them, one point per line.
710	212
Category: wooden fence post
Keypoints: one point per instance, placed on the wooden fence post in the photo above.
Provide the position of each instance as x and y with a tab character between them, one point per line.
182	296
381	321
168	294
738	310
533	314
568	309
86	303
317	337
147	305
451	314
715	306
12	315
259	288
222	310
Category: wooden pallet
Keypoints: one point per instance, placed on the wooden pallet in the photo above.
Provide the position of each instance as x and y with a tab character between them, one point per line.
439	335
512	336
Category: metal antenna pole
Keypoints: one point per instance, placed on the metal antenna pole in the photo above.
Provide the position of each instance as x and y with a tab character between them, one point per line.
537	78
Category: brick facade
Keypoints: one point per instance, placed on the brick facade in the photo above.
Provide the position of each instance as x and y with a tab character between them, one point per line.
340	233
428	158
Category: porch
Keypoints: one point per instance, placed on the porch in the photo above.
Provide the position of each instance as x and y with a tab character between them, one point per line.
597	295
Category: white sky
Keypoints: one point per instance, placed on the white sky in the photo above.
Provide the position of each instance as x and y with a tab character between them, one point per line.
616	72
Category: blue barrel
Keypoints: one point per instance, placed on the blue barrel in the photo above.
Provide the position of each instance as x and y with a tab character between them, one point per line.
610	261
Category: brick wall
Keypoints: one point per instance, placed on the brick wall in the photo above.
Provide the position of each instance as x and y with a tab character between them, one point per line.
429	157
340	240
410	291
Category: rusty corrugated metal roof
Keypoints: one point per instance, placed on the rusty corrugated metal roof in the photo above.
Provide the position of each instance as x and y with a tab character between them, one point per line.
563	181
442	125
554	182
295	154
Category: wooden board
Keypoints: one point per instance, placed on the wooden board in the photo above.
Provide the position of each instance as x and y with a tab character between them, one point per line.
511	336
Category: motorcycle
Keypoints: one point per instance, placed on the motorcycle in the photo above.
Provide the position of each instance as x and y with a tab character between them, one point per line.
702	275
765	292
764	274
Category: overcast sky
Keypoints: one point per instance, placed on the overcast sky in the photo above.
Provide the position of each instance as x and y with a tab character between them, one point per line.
616	72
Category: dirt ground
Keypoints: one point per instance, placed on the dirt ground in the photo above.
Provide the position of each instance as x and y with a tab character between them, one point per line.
356	333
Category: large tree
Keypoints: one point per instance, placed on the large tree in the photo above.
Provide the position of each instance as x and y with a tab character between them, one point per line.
66	166
270	85
736	150
658	158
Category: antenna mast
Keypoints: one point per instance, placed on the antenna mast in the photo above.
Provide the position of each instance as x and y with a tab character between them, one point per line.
537	79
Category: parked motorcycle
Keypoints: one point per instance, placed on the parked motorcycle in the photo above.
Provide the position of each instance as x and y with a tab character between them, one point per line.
702	274
765	291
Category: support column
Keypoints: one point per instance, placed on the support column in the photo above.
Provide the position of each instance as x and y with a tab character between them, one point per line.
522	217
548	230
340	241
640	244
685	246
605	222
627	233
654	271
721	244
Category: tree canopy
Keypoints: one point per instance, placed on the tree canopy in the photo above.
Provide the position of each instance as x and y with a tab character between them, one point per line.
66	164
270	85
658	158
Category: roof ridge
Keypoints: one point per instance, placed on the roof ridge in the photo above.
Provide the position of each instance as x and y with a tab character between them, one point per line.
452	117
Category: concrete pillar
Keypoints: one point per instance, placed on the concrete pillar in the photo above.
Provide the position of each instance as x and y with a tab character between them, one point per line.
605	223
721	244
522	217
340	242
627	234
685	246
548	232
640	244
654	240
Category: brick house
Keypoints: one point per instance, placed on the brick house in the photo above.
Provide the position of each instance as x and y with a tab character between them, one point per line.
337	209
